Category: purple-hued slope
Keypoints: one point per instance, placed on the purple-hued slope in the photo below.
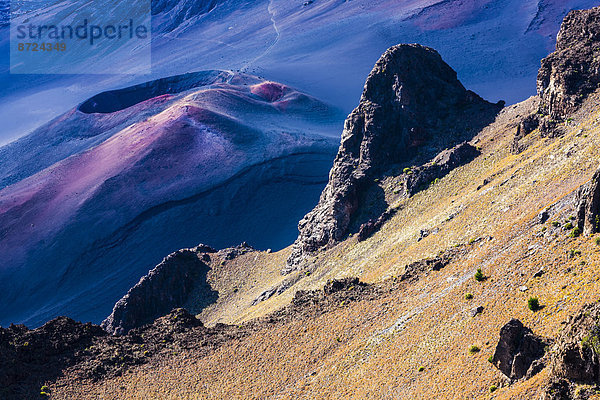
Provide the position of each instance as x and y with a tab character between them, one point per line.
231	160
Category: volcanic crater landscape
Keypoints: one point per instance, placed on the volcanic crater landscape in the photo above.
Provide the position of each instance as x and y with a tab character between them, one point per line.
243	223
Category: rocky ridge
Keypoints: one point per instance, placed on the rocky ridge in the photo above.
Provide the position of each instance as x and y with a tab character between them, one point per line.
31	358
165	287
575	358
567	76
412	107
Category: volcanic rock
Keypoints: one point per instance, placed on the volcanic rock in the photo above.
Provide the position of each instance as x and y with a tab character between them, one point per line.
167	286
517	349
572	72
588	206
411	100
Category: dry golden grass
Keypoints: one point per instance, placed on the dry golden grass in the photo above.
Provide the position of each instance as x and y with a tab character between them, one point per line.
373	349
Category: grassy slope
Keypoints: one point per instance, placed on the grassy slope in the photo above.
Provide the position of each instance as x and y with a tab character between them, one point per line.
373	349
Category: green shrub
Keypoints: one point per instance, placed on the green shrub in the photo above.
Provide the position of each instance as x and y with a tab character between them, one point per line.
597	240
575	232
555	224
491	359
533	303
568	225
468	296
421	369
574	253
479	277
474	349
493	388
406	170
592	341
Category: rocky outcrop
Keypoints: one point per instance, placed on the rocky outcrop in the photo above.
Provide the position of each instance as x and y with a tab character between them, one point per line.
417	269
525	127
575	357
165	287
572	72
518	350
588	206
374	224
567	76
32	358
28	358
437	168
338	285
412	106
233	252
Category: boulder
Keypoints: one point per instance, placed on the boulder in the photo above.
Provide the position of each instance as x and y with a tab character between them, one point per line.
517	349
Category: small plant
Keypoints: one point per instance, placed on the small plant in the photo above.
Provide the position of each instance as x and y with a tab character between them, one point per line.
555	224
406	170
493	388
473	240
533	303
338	339
568	225
468	296
575	232
597	240
421	369
491	359
479	277
574	253
474	349
592	341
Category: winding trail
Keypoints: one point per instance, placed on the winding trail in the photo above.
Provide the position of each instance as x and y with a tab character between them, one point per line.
271	12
